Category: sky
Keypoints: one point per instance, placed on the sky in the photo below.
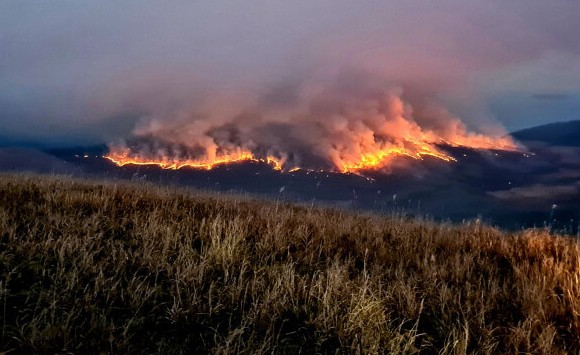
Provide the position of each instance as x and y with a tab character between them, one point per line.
84	72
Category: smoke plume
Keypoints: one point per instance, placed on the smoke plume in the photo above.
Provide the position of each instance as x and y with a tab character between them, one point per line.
313	82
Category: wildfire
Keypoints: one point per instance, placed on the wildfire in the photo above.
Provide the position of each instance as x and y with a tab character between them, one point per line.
374	157
124	156
349	136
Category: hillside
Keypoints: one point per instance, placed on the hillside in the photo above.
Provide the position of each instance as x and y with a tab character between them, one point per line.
32	160
555	134
135	268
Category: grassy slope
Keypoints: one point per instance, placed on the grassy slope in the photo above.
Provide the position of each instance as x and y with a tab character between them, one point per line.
137	268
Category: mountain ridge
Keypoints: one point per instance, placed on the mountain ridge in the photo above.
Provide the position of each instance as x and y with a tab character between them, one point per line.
564	134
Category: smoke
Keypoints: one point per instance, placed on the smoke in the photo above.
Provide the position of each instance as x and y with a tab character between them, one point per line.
293	78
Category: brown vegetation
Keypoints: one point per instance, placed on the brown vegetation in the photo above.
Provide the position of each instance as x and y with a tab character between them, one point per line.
120	267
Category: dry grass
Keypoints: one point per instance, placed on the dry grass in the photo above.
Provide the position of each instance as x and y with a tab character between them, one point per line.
127	268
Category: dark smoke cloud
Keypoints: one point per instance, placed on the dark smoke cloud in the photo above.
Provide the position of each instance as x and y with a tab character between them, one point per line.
240	70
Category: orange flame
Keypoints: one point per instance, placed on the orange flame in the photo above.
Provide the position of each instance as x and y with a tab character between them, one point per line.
124	156
377	159
376	155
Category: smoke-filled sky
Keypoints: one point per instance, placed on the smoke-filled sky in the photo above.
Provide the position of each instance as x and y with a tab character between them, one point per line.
99	71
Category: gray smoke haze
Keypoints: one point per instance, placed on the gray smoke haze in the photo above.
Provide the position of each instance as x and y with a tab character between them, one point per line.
89	71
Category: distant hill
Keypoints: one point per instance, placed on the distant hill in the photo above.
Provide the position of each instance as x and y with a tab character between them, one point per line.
33	160
566	134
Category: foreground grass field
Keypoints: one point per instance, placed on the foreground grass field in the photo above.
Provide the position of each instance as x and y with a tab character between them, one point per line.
133	268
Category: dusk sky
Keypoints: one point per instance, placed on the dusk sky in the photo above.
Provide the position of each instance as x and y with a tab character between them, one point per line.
89	71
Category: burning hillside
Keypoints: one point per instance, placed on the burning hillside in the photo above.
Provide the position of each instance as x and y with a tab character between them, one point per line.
320	128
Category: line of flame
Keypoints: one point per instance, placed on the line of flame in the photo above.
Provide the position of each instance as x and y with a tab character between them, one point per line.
125	158
374	160
370	160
